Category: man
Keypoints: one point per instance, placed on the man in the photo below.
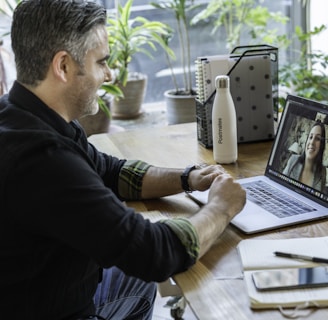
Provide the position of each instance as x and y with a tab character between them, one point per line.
70	249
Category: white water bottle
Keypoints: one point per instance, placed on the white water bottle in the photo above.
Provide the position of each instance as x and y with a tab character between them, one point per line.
224	123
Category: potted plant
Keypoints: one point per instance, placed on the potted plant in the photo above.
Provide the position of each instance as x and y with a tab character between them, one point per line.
126	37
234	15
306	77
180	101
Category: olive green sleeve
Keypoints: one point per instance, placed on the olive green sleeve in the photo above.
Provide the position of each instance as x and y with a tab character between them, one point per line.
187	234
130	179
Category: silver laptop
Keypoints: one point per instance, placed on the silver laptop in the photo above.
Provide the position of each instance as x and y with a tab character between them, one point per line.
286	194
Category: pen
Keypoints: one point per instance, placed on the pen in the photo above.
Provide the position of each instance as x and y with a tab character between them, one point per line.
300	256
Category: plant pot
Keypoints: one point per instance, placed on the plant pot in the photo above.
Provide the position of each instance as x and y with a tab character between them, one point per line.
129	107
180	108
99	122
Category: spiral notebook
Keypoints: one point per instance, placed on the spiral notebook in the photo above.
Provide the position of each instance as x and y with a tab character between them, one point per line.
207	68
277	199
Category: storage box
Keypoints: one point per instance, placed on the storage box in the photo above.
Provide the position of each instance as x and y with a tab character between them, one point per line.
254	90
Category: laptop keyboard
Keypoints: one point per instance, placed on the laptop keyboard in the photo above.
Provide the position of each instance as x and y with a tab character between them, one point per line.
274	200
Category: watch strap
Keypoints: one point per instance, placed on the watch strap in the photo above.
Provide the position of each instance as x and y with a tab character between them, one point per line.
184	178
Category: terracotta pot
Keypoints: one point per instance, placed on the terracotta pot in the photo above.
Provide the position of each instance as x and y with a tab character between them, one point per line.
98	123
129	107
180	108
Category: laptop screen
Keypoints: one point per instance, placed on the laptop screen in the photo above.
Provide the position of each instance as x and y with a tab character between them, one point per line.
299	157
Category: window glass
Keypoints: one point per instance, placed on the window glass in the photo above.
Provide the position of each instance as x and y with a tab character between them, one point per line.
318	17
203	42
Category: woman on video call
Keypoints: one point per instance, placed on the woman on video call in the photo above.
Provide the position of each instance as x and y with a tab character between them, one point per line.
307	167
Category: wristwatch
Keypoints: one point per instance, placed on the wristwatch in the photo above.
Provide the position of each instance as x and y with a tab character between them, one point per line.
185	176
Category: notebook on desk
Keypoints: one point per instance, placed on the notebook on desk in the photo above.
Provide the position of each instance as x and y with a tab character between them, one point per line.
279	197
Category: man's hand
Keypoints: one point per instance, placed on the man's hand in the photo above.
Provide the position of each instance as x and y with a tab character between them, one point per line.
201	179
226	199
227	195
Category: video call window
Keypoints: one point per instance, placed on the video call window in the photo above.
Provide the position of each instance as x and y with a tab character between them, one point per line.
301	156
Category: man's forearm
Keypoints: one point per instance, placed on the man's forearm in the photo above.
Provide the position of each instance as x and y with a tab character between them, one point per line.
209	224
160	182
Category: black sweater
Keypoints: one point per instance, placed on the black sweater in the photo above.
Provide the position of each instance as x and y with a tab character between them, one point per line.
61	220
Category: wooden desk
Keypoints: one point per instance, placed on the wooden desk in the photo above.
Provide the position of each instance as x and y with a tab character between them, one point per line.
213	287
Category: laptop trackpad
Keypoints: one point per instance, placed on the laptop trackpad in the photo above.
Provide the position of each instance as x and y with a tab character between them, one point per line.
252	218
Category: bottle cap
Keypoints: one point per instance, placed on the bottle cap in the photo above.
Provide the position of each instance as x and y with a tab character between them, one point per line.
222	82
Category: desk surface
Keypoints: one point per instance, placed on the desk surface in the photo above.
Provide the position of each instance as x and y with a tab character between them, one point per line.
213	287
